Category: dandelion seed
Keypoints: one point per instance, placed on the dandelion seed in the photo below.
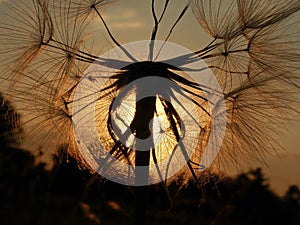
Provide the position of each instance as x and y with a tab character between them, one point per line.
260	14
24	32
83	8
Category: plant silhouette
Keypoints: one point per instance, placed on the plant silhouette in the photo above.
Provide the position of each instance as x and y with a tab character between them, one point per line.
253	54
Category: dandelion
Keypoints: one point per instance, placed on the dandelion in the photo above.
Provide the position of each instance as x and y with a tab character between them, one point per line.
253	54
24	41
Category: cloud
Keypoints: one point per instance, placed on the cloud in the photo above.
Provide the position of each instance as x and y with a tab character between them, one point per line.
123	18
126	25
120	14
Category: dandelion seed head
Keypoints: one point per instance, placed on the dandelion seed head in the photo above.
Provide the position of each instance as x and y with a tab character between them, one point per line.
253	54
24	32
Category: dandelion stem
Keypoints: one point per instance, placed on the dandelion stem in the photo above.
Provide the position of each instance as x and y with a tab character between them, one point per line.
173	27
140	205
164	10
145	110
87	54
78	56
177	21
111	36
223	53
154	32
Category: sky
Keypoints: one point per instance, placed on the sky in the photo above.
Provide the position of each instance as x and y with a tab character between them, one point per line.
131	21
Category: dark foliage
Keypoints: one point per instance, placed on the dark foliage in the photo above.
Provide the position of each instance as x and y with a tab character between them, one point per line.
32	195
